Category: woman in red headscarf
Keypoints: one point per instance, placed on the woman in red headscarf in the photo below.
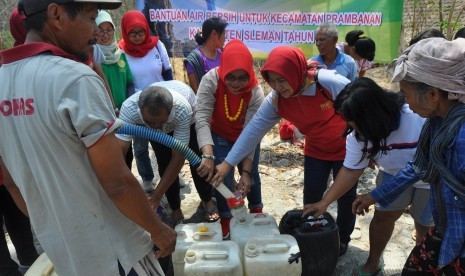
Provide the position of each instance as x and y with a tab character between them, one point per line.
303	95
146	54
228	97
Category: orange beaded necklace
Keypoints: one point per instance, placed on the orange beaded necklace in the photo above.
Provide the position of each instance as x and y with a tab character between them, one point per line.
226	109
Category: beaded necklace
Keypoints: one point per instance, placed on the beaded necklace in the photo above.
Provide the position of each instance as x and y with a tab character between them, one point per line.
226	109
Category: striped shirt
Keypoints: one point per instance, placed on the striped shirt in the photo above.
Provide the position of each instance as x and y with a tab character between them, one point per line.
180	118
148	266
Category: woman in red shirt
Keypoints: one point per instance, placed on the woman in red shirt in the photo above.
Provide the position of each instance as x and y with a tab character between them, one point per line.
227	98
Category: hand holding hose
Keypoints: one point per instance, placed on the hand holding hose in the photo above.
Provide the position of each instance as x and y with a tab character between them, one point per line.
206	168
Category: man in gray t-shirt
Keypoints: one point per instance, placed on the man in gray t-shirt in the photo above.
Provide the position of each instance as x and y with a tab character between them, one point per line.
58	147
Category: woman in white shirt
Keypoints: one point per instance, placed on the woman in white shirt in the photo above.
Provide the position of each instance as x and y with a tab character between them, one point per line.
380	127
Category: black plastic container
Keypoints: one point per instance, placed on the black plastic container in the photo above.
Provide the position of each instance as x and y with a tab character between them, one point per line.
318	240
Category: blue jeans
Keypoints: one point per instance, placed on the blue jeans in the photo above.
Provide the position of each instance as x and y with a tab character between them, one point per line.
141	154
316	173
254	197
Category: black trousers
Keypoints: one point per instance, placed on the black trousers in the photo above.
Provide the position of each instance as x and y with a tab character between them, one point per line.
163	155
19	230
129	157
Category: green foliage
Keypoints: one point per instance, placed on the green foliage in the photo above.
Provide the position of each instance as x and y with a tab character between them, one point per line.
6	6
450	25
116	15
6	40
447	19
420	14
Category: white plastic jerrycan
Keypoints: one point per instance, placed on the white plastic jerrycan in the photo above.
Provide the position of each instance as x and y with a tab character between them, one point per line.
269	255
213	259
247	226
189	234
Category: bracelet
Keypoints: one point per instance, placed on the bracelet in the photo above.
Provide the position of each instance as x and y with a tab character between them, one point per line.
208	156
244	171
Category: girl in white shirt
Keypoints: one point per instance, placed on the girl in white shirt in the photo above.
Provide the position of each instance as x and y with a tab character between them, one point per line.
380	128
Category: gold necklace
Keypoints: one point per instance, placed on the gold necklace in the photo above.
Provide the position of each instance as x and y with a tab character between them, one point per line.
226	109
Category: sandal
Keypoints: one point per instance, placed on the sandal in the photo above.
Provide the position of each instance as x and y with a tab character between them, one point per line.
209	214
361	273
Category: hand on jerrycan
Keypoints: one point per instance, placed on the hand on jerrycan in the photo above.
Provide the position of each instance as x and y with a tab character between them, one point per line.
164	239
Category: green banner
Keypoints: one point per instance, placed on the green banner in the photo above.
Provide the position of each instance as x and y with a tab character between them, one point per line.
265	24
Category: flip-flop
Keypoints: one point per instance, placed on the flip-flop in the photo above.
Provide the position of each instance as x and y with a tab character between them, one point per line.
361	273
209	213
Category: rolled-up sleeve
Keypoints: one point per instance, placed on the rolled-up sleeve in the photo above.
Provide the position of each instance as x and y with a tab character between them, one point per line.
86	110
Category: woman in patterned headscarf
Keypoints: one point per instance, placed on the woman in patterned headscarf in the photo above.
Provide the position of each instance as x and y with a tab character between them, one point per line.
432	78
